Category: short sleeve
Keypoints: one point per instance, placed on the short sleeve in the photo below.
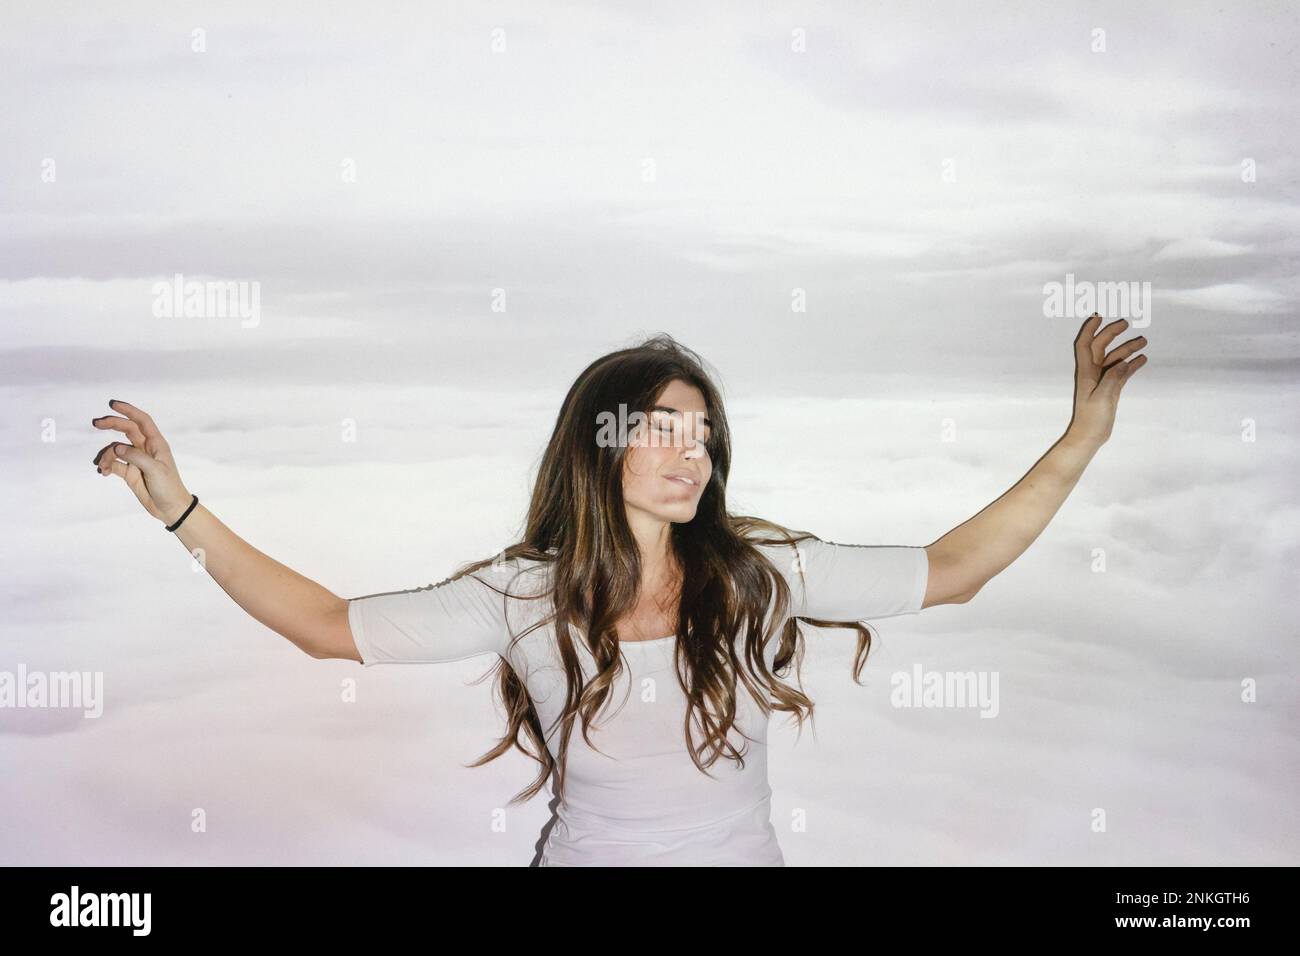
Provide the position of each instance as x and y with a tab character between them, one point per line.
855	582
451	621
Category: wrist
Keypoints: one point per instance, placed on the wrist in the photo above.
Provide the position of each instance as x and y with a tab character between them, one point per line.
1081	444
176	515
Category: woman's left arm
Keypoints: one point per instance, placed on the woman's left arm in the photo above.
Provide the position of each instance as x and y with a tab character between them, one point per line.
971	554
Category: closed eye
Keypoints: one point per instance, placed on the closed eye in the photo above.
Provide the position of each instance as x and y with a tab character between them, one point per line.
706	443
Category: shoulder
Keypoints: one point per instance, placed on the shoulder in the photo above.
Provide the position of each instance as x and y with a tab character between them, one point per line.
516	576
787	557
785	548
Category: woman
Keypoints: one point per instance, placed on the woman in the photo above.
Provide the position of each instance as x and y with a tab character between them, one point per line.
637	610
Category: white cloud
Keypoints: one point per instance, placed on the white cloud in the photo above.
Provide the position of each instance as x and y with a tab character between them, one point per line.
1238	298
1200	249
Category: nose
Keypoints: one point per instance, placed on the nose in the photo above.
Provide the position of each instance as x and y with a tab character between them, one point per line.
694	449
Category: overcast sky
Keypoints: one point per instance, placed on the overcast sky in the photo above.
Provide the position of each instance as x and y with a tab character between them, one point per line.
387	173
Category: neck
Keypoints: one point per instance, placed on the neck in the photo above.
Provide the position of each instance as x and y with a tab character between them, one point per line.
654	540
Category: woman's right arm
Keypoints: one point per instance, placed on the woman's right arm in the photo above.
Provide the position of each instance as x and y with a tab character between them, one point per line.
297	608
311	617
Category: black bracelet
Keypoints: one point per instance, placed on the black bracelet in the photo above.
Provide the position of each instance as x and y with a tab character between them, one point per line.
173	527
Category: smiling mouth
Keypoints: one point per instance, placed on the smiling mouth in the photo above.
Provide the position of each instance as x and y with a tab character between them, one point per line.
681	481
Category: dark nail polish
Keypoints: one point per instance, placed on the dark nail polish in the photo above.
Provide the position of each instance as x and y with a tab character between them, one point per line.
98	469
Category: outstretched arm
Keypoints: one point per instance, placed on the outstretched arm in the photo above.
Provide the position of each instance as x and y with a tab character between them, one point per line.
971	554
295	607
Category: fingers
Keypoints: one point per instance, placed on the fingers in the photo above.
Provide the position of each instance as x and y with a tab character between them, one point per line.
1124	351
153	441
1090	343
1119	372
1092	363
127	427
1131	366
104	457
138	416
134	456
1105	337
1086	332
135	481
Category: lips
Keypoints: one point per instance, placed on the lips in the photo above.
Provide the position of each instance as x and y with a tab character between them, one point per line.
683	478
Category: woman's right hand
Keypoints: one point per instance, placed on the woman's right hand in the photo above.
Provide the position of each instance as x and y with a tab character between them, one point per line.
146	464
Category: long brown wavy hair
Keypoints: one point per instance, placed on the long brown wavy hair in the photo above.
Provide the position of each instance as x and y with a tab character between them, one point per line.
577	526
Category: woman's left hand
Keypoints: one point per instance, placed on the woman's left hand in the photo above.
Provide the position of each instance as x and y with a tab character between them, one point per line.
1099	377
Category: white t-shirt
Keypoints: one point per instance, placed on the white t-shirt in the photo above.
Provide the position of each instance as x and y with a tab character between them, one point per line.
638	799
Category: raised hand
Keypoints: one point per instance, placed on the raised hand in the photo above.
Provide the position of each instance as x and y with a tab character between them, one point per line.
145	464
1099	377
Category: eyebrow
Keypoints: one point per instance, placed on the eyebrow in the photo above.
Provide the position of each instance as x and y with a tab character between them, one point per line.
673	411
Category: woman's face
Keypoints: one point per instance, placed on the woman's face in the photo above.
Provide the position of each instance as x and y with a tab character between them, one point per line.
667	467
